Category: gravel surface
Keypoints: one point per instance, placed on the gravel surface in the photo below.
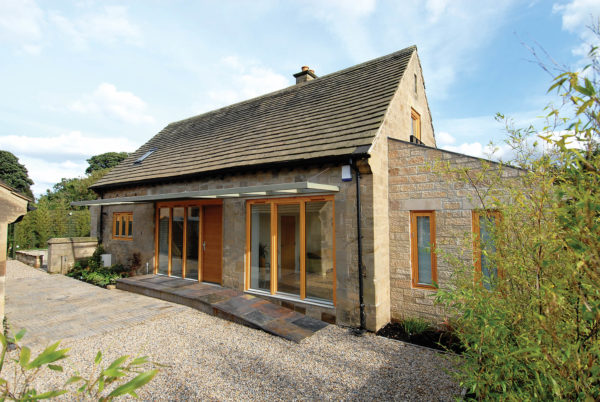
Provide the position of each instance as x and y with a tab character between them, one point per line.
212	359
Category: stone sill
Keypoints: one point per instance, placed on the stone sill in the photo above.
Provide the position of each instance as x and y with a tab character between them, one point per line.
292	298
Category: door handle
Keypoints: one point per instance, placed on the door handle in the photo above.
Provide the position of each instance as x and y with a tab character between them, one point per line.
204	246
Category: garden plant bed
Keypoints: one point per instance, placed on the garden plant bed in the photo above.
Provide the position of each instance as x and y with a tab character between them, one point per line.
430	337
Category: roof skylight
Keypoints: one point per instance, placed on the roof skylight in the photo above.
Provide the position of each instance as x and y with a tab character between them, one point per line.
141	158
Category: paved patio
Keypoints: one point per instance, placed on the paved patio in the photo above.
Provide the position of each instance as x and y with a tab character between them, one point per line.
54	307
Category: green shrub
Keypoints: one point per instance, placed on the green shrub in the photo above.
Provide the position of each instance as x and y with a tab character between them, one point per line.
103	384
92	271
536	335
415	326
95	261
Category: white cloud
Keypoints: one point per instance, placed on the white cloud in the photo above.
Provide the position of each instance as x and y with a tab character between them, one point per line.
64	146
577	15
21	23
347	20
449	35
49	159
108	26
106	99
477	149
246	79
45	174
443	137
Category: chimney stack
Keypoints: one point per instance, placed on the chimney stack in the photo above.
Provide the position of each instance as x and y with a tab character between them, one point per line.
305	75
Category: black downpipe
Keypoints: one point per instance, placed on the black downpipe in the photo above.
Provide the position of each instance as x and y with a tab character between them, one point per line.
101	231
360	261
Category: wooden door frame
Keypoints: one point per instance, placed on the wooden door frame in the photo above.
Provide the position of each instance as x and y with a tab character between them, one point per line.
185	204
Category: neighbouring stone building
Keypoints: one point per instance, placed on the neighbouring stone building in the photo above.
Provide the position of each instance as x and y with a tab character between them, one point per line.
290	195
13	206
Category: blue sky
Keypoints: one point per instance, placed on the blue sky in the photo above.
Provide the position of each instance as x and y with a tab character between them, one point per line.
85	77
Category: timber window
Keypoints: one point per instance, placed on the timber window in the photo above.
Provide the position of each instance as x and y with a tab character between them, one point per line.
290	247
122	226
484	224
423	258
415	128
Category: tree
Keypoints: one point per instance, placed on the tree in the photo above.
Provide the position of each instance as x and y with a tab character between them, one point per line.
105	161
14	174
533	330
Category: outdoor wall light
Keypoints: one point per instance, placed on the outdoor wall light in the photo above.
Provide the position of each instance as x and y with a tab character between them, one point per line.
346	173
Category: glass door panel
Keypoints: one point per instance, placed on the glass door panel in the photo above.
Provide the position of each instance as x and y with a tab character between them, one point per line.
163	241
260	246
319	250
288	248
192	243
177	242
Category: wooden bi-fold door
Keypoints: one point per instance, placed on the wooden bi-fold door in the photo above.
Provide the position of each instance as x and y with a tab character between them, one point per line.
189	241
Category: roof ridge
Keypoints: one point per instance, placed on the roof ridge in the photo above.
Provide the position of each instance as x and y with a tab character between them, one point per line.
305	121
409	49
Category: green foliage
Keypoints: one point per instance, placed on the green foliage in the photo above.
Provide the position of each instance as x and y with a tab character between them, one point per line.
55	217
14	174
92	271
103	384
95	261
415	326
105	161
536	335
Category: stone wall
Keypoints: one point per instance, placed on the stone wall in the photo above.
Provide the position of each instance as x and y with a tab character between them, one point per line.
34	258
143	234
63	252
414	185
234	229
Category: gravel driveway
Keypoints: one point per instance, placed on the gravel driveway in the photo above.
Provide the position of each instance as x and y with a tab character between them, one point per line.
210	358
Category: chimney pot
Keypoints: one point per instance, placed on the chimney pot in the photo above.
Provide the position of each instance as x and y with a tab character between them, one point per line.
305	75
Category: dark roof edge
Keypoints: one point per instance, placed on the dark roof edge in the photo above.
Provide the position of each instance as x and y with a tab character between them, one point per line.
411	48
359	153
15	191
457	154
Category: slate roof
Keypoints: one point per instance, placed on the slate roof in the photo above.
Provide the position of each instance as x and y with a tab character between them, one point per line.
334	115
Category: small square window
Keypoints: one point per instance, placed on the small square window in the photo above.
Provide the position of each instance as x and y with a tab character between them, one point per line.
123	226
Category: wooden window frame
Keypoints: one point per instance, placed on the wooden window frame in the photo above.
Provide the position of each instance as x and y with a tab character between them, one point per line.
185	205
414	250
415	121
274	203
476	215
118	218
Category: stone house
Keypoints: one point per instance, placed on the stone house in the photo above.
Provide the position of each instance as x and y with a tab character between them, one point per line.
319	196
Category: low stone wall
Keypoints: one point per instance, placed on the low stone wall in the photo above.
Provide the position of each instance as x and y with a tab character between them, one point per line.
34	258
63	252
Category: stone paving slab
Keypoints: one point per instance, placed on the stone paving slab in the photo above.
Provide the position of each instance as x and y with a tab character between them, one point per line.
56	307
227	303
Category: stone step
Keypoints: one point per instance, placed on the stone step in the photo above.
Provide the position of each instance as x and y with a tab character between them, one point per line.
229	304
